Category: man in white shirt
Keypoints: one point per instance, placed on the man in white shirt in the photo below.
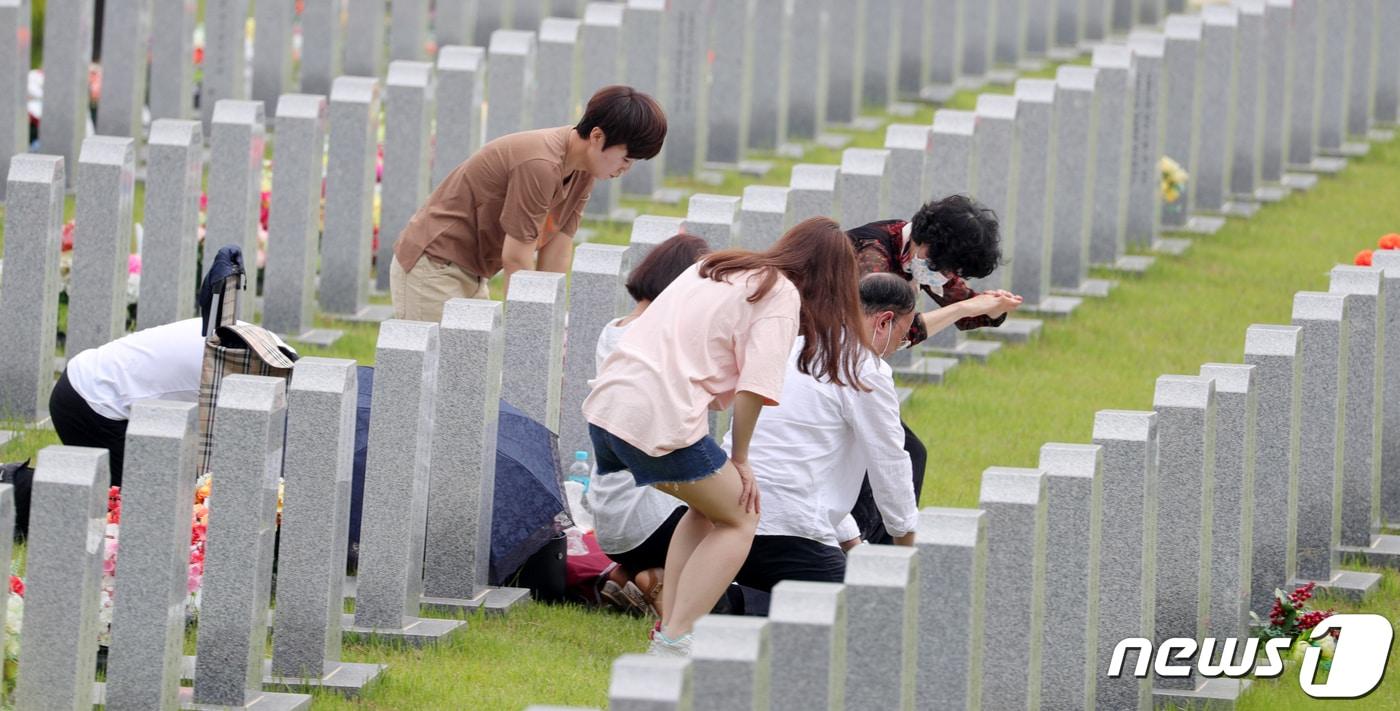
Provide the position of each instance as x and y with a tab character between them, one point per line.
91	402
811	453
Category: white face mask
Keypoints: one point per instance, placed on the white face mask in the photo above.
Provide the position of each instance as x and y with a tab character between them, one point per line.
924	275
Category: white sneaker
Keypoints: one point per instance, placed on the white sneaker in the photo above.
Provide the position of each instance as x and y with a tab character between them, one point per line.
663	647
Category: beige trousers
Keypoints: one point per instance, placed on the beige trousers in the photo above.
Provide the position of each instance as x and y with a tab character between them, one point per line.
420	293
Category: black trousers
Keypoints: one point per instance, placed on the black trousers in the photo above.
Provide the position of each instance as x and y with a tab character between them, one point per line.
773	559
652	552
78	426
867	515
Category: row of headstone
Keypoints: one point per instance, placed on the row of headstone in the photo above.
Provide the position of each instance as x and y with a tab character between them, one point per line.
239	131
767	89
426	522
1174	522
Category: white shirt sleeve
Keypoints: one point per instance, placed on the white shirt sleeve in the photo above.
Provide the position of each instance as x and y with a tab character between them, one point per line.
875	419
847	529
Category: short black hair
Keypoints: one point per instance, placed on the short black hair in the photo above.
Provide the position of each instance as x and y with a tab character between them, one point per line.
883	291
627	117
963	236
663	264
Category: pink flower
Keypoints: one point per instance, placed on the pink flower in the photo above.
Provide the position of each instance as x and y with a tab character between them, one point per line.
133	264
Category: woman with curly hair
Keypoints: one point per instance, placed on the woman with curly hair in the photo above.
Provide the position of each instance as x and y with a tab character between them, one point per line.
948	241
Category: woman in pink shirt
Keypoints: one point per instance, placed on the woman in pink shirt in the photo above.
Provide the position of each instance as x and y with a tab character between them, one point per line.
719	336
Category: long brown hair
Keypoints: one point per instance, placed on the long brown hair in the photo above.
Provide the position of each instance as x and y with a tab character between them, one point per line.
818	259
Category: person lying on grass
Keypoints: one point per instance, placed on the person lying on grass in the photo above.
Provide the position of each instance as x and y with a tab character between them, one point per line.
719	336
811	453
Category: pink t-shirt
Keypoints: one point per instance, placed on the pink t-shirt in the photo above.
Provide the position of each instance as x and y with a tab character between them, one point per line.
697	345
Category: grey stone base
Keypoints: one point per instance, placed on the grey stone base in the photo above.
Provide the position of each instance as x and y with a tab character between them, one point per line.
1031	65
418	632
1171	245
1350	149
1240	208
1002	77
59	363
971	83
374	313
904	394
495	601
5	437
344	678
1089	288
1299	181
711	178
903	108
1380	135
1053	306
755	168
1134	263
928	370
1350	584
791	151
323	337
834	141
669	196
1330	165
265	701
1197	225
625	215
584	234
1271	193
968	349
866	124
1208	694
1384	551
1013	330
938	93
1064	54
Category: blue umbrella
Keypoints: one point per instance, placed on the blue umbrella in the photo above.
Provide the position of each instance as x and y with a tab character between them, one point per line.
529	489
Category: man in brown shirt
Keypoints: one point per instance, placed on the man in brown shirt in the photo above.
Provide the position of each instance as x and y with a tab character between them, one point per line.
516	203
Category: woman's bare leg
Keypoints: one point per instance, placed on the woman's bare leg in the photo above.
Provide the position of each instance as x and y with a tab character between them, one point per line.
692	528
693	585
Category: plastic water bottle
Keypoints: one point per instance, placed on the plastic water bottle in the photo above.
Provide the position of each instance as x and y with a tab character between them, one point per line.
580	469
575	485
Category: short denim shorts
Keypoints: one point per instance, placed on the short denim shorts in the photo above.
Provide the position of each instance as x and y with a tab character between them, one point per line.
682	466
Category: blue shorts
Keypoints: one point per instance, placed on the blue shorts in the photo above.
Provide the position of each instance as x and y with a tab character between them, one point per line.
682	466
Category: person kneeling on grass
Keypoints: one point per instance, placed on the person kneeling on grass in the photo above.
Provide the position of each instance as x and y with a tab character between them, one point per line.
720	335
634	523
811	453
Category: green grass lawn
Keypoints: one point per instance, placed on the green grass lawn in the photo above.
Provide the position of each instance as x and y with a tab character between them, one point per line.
1186	311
